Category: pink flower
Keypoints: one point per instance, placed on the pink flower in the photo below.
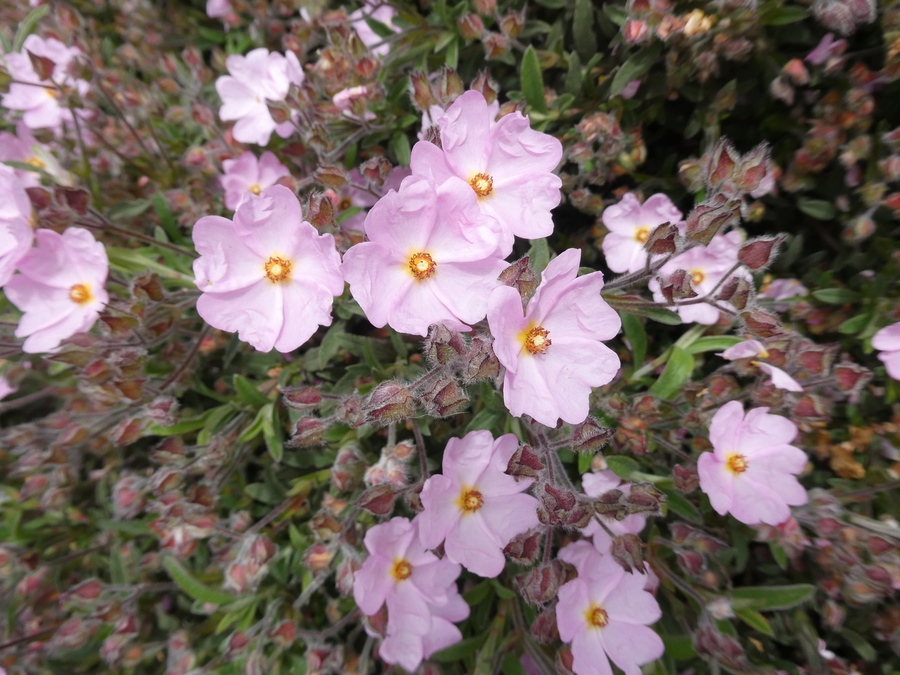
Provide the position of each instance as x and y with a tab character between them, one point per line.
344	101
246	173
431	258
754	348
258	77
23	147
827	48
782	289
630	89
706	265
887	341
630	224
6	388
507	164
594	485
434	114
218	8
40	103
418	588
605	615
16	234
383	13
553	352
267	274
350	197
751	471
474	505
59	288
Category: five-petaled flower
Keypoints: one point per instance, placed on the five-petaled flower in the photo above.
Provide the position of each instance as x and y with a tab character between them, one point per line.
630	224
249	174
474	505
553	351
267	274
752	470
887	341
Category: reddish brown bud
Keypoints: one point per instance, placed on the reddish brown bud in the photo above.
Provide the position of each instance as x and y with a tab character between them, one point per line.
449	86
561	508
760	323
387	403
331	176
420	90
495	45
521	277
851	377
378	500
759	253
590	436
376	169
485	84
712	216
40	197
737	291
308	431
481	362
485	7
539	585
470	26
318	557
513	23
686	478
627	551
544	628
444	397
677	286
76	199
284	634
43	67
524	463
320	211
662	240
524	547
443	345
302	398
719	164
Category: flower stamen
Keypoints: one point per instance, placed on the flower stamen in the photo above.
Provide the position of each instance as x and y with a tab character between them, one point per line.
537	340
470	500
737	464
278	269
483	184
256	188
697	277
422	265
80	294
642	234
401	569
596	616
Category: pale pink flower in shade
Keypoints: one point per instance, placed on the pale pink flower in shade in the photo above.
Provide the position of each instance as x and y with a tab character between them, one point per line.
826	49
418	588
706	265
41	104
249	174
267	274
216	9
16	234
887	341
23	147
343	101
630	89
751	472
350	197
6	388
630	224
474	507
756	349
507	164
554	352
783	289
594	485
605	614
431	258
253	79
384	14
59	288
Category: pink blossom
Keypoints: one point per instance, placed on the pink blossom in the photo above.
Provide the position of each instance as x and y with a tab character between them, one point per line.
23	147
474	505
384	14
782	289
706	265
594	485
16	234
432	117
507	164
418	588
887	341
350	197
6	388
630	224
59	288
827	48
778	378
751	472
267	274
344	99
755	348
605	614
218	8
247	173
630	89
431	258
40	100
253	79
553	352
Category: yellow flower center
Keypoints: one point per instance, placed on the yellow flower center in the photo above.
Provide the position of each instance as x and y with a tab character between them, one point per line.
256	188
422	265
596	616
697	277
470	500
642	234
401	569
483	184
34	161
80	294
278	269
537	341
51	92
736	464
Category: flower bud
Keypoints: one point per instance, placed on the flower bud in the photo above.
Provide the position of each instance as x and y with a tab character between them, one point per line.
318	557
443	346
486	85
377	500
320	211
590	436
627	551
449	86
524	463
481	362
308	432
444	397
512	23
759	253
420	90
387	403
495	45
539	585
470	26
302	398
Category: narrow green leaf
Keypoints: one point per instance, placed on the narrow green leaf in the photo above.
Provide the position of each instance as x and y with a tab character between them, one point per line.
784	15
133	527
755	620
779	554
538	255
658	314
118	573
167	219
635	67
637	338
855	324
817	208
679	504
380	29
622	466
583	29
461	649
401	149
182	427
678	371
248	393
28	25
193	586
771	597
271	426
573	76
713	343
679	647
584	462
452	58
532	80
862	647
835	296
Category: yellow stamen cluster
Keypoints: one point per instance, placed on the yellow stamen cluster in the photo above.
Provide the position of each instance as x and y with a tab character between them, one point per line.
401	569
737	464
278	269
470	500
642	234
80	294
483	184
422	265
697	277
537	340
596	616
256	188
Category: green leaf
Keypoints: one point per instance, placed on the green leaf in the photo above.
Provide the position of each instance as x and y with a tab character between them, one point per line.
771	597
583	29
133	527
182	427
817	208
538	255
573	76
118	573
616	13
635	67
29	23
784	15
271	427
478	592
713	343
193	586
679	504
584	462
511	665
862	647
461	649
678	371
637	338
380	29
835	296
264	493
855	324
622	466
679	647
452	57
658	314
400	147
755	620
532	80
248	393
779	554
167	218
